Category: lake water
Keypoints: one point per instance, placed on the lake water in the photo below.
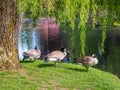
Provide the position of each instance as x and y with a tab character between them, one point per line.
51	37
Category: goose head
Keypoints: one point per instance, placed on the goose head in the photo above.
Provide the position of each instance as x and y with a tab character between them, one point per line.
94	55
65	51
36	47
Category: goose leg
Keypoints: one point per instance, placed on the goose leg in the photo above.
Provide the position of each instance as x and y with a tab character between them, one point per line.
87	69
45	61
59	61
24	58
55	63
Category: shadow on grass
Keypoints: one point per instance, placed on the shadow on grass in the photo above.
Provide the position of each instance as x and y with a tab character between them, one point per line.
76	69
46	65
27	61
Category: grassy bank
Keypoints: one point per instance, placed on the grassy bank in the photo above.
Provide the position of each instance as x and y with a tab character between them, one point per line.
39	76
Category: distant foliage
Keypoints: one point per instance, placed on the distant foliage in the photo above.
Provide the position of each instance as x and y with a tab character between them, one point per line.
70	12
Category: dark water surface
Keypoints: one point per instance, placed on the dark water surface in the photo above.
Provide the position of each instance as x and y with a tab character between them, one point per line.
50	37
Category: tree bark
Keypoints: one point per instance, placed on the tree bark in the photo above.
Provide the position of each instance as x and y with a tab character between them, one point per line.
8	28
19	27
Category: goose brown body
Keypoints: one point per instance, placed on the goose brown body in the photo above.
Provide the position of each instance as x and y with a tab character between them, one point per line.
56	56
32	53
87	61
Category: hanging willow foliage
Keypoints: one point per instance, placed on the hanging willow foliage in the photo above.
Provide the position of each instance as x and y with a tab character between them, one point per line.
67	12
84	12
93	9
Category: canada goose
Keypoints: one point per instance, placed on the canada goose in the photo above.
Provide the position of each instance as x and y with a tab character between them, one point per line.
32	53
87	61
56	56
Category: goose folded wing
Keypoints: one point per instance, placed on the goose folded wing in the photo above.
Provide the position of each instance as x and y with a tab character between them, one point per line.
55	54
29	53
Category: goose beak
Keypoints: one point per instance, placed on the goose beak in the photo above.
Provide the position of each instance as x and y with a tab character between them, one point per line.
68	52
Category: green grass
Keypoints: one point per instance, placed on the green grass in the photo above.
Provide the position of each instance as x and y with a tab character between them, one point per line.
39	76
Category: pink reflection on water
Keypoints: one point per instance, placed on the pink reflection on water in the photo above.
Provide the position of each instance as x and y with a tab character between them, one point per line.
50	35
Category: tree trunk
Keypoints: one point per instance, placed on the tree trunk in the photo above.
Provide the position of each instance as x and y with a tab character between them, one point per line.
8	45
19	27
